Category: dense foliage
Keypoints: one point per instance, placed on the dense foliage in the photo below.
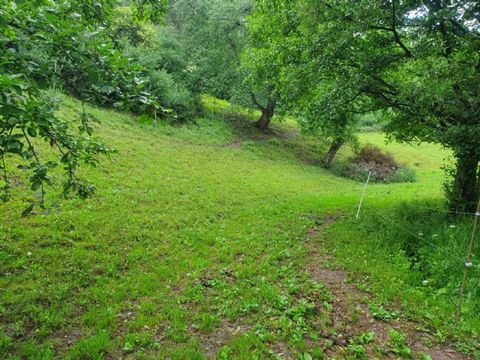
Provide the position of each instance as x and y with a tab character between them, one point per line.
213	35
226	68
157	51
70	45
27	47
417	60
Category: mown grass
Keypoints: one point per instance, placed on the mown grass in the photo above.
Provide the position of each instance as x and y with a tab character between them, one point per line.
194	229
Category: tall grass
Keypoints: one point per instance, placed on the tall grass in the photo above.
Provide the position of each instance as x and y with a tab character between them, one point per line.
414	254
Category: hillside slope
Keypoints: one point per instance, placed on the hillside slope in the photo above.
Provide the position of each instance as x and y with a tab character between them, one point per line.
194	245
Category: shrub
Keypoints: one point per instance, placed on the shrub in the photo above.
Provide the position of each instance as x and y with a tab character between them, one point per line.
165	86
89	67
172	95
374	156
350	170
382	166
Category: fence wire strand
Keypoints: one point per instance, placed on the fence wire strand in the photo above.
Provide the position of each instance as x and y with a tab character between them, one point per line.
465	264
423	239
443	210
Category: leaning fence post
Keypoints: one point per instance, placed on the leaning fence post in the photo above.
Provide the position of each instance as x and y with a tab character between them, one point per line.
468	262
363	194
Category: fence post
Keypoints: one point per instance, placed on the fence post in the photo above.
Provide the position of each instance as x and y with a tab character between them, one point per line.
363	195
468	261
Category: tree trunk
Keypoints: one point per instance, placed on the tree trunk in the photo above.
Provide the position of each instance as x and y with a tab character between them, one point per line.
267	115
465	189
334	147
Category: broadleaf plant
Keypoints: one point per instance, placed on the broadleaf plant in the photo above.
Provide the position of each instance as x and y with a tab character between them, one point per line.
44	43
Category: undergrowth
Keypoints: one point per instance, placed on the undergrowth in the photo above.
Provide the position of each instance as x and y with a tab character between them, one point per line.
413	255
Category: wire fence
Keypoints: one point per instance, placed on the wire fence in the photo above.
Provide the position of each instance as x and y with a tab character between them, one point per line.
444	211
466	291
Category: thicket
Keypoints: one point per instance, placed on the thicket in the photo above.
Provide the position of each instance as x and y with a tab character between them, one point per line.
97	51
158	50
381	166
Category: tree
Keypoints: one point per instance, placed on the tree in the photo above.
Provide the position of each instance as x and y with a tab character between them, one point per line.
223	68
229	30
200	22
322	102
284	57
260	63
43	41
419	60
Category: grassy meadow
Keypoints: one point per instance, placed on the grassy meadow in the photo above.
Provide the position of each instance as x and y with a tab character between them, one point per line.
194	246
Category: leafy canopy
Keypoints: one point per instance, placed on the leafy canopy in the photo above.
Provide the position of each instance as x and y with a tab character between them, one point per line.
45	43
416	60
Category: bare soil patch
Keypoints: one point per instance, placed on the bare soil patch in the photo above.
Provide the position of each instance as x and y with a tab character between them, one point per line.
213	342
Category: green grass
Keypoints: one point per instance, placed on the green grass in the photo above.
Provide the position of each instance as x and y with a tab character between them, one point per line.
193	227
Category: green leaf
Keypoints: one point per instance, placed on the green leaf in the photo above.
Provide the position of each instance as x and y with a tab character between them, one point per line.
307	356
32	131
28	210
36	184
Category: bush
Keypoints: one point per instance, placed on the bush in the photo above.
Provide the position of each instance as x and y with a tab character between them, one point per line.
132	66
350	170
90	68
382	166
164	73
374	157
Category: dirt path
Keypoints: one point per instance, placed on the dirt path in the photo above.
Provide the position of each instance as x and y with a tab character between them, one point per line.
352	318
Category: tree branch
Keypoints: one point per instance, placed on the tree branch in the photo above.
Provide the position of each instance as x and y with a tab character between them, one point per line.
377	27
255	101
396	35
37	160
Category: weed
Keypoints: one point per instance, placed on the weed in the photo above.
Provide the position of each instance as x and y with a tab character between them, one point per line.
366	338
380	313
398	344
357	351
206	322
425	357
5	342
92	348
